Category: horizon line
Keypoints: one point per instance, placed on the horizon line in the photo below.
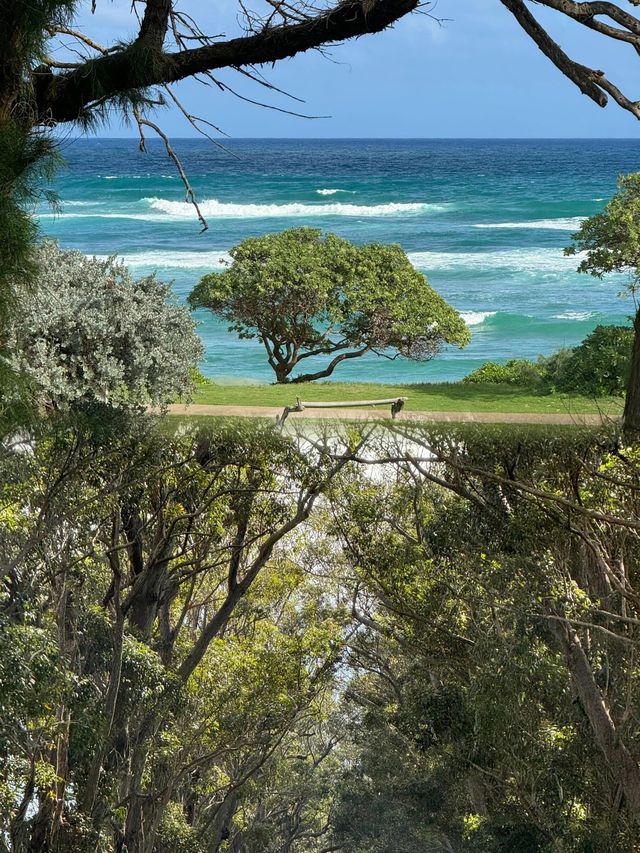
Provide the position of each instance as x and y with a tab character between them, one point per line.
228	139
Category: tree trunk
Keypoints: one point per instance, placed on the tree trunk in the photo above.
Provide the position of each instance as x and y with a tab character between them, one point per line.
282	372
621	764
631	418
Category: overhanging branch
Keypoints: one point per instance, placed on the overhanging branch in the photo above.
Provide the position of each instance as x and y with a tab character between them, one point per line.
591	82
143	64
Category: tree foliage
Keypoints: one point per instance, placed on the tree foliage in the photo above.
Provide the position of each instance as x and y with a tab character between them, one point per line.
610	242
87	331
494	687
163	646
303	295
599	366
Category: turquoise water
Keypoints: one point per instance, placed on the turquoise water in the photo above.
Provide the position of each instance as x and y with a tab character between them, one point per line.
485	220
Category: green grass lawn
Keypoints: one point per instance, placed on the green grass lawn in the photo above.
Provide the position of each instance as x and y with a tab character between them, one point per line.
443	397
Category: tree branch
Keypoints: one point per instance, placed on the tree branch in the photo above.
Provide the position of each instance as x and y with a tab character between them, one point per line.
64	97
591	82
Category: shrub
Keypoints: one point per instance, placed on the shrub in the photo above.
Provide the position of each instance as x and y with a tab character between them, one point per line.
516	371
89	332
599	366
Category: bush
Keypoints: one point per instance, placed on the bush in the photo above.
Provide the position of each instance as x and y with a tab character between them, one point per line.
88	332
517	371
599	366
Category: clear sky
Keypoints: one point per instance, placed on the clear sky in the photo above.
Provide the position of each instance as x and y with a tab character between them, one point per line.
475	74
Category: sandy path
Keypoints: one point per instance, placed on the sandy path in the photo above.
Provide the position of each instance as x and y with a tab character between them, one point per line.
384	414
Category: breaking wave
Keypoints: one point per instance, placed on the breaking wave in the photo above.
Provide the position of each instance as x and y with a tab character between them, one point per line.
160	259
530	261
575	315
476	318
334	191
571	223
214	209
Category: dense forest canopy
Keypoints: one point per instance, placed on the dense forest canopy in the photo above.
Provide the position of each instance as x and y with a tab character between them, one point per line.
409	639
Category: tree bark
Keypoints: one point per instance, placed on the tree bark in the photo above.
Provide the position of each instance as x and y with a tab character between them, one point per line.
631	417
282	373
320	374
622	766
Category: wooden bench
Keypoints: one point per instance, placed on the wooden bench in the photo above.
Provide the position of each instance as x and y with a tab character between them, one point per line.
396	404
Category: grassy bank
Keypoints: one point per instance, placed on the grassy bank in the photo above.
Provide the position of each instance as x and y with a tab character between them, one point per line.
443	397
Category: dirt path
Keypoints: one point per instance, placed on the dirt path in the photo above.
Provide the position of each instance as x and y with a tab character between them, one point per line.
383	414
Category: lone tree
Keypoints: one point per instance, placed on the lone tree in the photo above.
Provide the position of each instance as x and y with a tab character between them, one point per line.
611	241
304	295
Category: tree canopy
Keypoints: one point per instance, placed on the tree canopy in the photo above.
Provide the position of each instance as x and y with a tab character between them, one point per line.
236	640
304	295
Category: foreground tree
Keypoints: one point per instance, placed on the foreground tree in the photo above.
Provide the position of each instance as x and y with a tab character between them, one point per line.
611	241
85	331
305	296
160	642
495	689
163	52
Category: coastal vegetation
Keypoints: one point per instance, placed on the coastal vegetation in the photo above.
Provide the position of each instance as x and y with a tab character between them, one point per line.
609	242
227	638
238	640
598	367
85	331
304	296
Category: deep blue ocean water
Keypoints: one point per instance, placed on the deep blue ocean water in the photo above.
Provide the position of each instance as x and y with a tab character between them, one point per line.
485	220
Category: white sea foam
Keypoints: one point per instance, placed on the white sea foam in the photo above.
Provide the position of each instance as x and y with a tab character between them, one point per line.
571	223
135	177
574	315
90	214
159	259
476	318
214	209
334	191
529	261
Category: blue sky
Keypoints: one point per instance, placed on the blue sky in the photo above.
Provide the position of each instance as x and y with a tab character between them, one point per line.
475	75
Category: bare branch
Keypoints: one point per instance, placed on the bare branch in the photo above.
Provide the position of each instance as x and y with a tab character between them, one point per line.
190	195
591	82
63	97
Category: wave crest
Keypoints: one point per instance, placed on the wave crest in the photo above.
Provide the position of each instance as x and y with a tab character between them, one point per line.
161	259
575	315
527	261
214	209
476	318
334	191
568	223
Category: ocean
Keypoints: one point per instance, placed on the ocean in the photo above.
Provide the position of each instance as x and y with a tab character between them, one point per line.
485	220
